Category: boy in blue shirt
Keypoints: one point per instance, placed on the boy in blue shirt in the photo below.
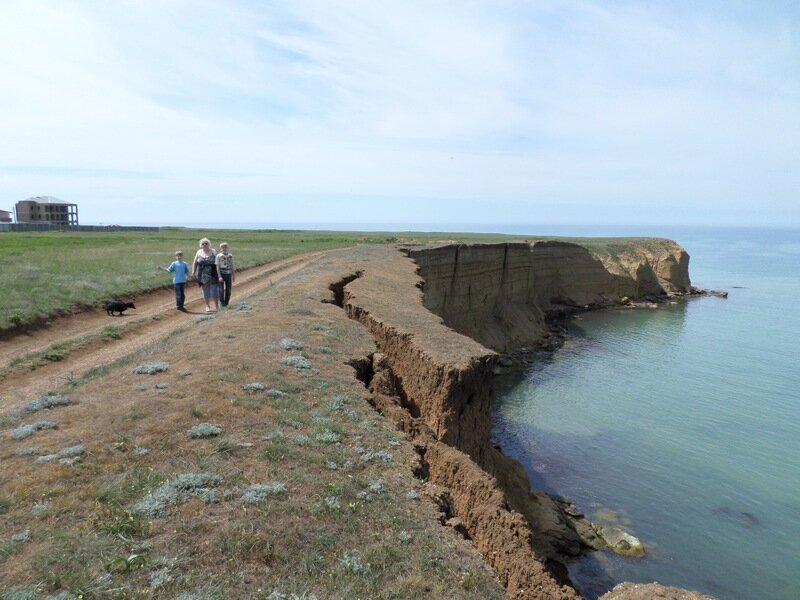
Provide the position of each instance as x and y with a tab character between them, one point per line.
180	275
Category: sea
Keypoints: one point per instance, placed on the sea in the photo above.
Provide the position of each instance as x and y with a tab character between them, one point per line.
679	424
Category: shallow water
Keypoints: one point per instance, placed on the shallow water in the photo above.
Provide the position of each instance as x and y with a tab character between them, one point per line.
682	424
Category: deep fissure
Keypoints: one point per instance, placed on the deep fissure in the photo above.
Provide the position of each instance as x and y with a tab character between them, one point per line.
388	397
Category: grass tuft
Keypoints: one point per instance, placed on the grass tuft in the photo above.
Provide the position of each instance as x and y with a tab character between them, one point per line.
150	368
261	492
111	332
204	430
178	491
24	431
46	402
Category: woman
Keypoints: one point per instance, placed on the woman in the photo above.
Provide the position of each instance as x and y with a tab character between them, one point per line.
205	269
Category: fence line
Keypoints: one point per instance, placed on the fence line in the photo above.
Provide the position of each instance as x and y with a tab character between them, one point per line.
52	227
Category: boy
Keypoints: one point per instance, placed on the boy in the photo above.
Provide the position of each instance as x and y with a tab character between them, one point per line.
226	272
180	272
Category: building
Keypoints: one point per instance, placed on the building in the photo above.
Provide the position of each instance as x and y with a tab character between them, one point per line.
5	216
46	210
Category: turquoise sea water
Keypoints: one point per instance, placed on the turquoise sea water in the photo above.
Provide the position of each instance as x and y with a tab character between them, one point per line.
682	424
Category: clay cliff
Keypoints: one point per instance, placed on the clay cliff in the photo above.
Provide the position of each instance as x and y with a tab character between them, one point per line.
503	294
432	374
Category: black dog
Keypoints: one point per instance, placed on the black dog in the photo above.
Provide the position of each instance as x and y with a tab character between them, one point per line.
119	307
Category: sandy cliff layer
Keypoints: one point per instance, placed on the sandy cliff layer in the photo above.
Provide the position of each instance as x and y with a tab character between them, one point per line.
433	373
501	294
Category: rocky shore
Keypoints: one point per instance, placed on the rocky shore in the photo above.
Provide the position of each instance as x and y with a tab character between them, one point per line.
442	318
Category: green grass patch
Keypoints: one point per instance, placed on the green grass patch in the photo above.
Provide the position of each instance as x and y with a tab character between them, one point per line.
126	487
59	351
70	561
111	332
55	272
8	549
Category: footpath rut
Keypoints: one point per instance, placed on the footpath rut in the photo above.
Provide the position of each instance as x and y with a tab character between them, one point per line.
154	318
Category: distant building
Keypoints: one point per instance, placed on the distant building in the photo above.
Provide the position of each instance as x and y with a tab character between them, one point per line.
46	210
5	216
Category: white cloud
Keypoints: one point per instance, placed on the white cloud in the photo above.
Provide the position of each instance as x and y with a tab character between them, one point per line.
612	106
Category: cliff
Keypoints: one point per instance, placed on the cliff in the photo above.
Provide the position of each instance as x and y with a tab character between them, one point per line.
502	294
432	373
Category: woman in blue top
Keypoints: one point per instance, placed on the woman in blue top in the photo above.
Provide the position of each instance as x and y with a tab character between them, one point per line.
180	271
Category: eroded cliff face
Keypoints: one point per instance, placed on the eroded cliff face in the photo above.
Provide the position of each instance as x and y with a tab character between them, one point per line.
432	373
436	385
502	294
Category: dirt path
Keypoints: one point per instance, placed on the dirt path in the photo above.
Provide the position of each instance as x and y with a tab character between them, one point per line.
155	316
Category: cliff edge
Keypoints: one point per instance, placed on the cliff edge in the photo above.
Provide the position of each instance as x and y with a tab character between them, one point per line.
507	295
432	374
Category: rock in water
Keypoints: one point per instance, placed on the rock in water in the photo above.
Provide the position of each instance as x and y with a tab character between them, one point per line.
621	542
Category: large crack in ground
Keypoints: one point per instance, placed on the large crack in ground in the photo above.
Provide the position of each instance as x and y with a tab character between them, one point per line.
467	495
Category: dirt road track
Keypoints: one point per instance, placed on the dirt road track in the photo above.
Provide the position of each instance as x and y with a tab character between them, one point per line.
155	316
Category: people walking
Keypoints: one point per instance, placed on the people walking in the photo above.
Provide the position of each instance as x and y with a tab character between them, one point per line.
180	275
226	272
204	268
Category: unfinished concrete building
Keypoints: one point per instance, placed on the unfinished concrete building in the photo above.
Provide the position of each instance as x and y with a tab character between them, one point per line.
46	210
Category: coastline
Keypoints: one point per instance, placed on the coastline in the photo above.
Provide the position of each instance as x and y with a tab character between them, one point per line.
415	353
434	383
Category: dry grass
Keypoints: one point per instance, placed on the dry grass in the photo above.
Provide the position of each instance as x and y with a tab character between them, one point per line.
349	523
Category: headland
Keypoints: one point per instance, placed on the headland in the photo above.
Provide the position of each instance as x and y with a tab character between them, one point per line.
416	333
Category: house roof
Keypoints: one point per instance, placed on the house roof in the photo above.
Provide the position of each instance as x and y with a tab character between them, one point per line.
47	200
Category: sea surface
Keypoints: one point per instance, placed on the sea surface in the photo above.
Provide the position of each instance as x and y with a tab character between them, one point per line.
681	424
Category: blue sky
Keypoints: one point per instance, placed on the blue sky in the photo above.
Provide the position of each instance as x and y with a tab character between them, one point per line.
495	112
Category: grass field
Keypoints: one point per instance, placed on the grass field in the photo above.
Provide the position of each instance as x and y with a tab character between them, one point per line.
49	273
54	272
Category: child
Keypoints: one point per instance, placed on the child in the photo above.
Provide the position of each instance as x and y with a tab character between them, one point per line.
226	272
180	272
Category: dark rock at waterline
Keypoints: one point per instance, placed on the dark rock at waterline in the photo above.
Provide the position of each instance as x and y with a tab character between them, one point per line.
621	541
748	518
744	517
701	292
505	361
651	591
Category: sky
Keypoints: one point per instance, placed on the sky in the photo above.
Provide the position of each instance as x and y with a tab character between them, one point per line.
436	111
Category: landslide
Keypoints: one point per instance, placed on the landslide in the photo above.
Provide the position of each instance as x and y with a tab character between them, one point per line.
437	386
